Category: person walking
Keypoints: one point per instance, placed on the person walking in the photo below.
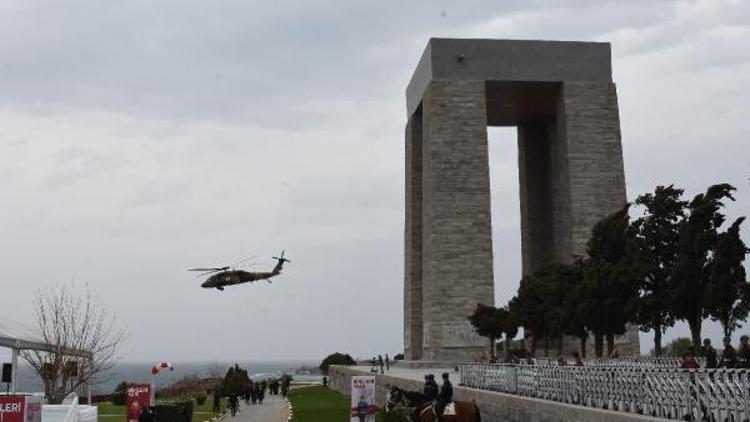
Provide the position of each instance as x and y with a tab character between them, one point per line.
217	400
387	362
261	393
561	360
728	355
710	353
233	403
577	361
688	360
381	364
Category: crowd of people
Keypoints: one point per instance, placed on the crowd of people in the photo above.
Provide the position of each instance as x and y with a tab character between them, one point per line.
252	393
379	362
730	357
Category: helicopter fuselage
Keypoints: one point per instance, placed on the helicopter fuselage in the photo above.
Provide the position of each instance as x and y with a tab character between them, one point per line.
232	277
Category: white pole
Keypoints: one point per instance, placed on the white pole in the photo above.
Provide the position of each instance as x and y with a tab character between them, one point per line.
88	382
14	371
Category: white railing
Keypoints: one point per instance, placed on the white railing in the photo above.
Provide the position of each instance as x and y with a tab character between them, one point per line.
626	361
69	411
702	394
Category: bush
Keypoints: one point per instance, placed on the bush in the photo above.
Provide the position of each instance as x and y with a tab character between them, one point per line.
200	398
399	356
678	347
120	396
336	359
181	411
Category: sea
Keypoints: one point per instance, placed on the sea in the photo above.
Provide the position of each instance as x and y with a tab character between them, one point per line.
140	372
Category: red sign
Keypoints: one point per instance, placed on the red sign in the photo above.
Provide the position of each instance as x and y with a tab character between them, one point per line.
139	396
20	409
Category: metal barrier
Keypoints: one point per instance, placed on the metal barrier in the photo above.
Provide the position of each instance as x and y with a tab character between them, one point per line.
624	361
673	393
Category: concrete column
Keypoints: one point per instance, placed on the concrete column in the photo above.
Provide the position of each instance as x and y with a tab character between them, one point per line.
413	240
590	137
591	157
14	373
535	140
457	234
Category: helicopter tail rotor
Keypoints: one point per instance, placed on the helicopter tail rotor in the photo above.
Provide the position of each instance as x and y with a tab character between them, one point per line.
281	259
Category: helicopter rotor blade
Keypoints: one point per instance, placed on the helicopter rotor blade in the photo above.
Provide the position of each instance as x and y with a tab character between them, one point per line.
243	260
209	269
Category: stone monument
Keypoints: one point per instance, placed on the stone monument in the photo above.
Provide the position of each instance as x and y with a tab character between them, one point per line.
561	98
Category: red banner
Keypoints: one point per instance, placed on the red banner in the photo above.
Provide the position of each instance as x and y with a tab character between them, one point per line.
139	396
20	409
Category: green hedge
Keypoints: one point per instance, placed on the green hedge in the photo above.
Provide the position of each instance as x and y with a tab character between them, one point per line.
181	411
336	359
119	399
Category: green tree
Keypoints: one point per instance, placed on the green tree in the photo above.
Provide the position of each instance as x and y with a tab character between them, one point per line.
548	304
698	238
728	290
573	301
657	236
529	308
678	347
486	324
235	380
611	277
336	359
492	322
119	397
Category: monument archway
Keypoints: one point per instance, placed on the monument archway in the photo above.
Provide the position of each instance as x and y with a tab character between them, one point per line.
561	98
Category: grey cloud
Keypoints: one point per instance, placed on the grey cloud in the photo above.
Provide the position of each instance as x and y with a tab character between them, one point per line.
186	133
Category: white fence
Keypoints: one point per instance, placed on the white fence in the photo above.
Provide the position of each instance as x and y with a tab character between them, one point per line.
70	411
623	361
702	394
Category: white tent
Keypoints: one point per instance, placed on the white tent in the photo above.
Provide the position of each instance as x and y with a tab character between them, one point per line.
18	336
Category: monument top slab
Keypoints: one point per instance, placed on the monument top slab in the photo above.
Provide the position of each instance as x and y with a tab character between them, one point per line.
508	60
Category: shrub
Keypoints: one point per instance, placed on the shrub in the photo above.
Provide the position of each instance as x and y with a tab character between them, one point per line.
119	398
399	356
678	347
181	411
336	359
200	398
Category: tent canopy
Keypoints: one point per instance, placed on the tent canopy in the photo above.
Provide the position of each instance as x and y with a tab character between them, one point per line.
19	336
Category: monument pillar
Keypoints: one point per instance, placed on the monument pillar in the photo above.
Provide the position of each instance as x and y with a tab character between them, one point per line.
456	215
413	240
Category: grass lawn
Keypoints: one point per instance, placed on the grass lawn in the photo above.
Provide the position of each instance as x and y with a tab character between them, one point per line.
108	412
316	404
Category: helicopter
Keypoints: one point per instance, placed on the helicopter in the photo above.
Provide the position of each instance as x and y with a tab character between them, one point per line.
228	276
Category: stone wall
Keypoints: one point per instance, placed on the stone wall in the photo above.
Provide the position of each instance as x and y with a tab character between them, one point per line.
494	407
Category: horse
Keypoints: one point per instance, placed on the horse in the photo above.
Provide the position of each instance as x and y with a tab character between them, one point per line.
423	410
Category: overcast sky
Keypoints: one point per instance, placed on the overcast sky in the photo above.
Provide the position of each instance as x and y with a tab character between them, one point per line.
140	138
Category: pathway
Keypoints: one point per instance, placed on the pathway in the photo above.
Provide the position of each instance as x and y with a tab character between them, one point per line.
273	409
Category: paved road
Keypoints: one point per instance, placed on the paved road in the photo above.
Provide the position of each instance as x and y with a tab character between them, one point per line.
273	409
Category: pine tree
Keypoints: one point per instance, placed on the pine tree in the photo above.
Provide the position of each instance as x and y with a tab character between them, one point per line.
728	290
657	236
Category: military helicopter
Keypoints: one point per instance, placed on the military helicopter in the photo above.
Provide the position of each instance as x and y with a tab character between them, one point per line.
227	276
